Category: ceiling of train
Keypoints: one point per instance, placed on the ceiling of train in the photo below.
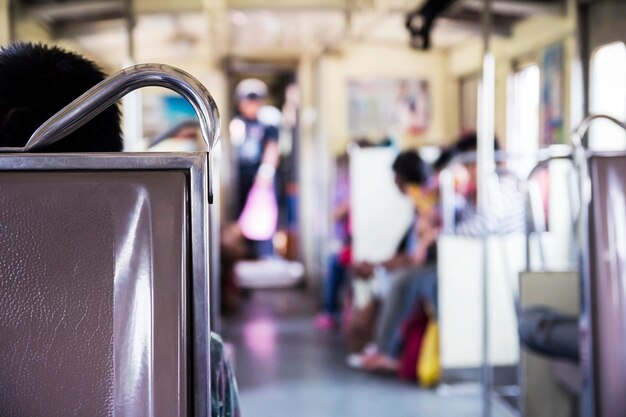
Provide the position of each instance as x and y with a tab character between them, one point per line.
197	30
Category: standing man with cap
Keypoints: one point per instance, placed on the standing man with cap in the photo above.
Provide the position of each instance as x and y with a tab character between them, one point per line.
256	147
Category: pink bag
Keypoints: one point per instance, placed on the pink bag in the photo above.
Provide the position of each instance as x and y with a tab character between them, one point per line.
260	215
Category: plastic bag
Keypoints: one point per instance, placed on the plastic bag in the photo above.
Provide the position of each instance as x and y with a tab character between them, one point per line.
259	217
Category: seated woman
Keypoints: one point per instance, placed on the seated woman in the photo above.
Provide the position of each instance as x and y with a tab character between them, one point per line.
412	269
36	81
416	282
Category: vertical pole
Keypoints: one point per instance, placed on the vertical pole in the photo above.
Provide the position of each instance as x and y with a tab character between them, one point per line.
486	169
587	395
131	103
486	123
308	170
216	18
130	26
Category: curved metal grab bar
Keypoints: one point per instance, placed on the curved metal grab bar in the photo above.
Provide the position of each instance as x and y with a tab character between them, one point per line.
581	130
113	88
101	96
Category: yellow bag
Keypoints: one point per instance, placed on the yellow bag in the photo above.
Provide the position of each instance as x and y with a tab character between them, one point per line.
429	364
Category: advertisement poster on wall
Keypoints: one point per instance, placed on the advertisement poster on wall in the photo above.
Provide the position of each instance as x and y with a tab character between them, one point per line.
552	96
394	108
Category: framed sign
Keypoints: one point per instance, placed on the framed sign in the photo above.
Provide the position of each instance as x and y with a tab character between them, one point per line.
388	107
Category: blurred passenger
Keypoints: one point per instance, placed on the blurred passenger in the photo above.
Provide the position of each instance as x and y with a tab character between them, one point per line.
506	211
36	81
341	257
412	267
257	150
412	296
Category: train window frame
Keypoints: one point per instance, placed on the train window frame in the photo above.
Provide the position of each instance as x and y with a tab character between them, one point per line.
600	77
516	127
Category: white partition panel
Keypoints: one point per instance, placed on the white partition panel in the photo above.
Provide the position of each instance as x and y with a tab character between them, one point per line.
461	302
381	215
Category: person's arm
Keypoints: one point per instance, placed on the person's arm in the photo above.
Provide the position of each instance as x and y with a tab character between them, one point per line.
428	233
397	261
270	159
271	154
365	269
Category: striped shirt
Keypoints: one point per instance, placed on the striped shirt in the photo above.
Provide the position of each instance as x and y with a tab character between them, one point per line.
505	212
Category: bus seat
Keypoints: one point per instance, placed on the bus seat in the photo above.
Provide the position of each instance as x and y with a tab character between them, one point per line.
104	269
94	293
544	393
604	316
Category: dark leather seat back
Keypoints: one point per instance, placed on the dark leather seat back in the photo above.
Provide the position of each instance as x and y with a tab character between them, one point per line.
96	288
607	282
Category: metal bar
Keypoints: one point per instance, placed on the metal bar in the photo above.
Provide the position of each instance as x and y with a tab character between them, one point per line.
486	168
130	26
107	92
587	360
99	161
578	138
201	278
555	152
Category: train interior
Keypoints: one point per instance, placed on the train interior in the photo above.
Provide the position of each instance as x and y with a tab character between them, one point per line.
372	208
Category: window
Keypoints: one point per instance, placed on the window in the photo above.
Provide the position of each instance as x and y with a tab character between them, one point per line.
522	127
469	103
608	96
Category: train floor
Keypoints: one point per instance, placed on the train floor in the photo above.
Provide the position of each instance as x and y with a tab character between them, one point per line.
287	368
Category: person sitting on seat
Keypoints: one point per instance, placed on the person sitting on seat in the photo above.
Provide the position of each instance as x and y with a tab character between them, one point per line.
415	257
506	211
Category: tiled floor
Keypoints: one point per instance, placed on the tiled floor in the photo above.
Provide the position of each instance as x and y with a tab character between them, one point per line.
285	368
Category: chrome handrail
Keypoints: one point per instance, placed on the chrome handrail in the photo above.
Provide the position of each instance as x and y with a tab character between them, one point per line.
542	156
104	94
581	130
107	92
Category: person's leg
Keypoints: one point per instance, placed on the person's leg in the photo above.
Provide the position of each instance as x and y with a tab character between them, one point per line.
391	306
336	273
332	287
245	180
263	248
422	286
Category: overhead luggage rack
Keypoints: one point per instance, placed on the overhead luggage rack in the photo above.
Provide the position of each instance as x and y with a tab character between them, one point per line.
104	268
